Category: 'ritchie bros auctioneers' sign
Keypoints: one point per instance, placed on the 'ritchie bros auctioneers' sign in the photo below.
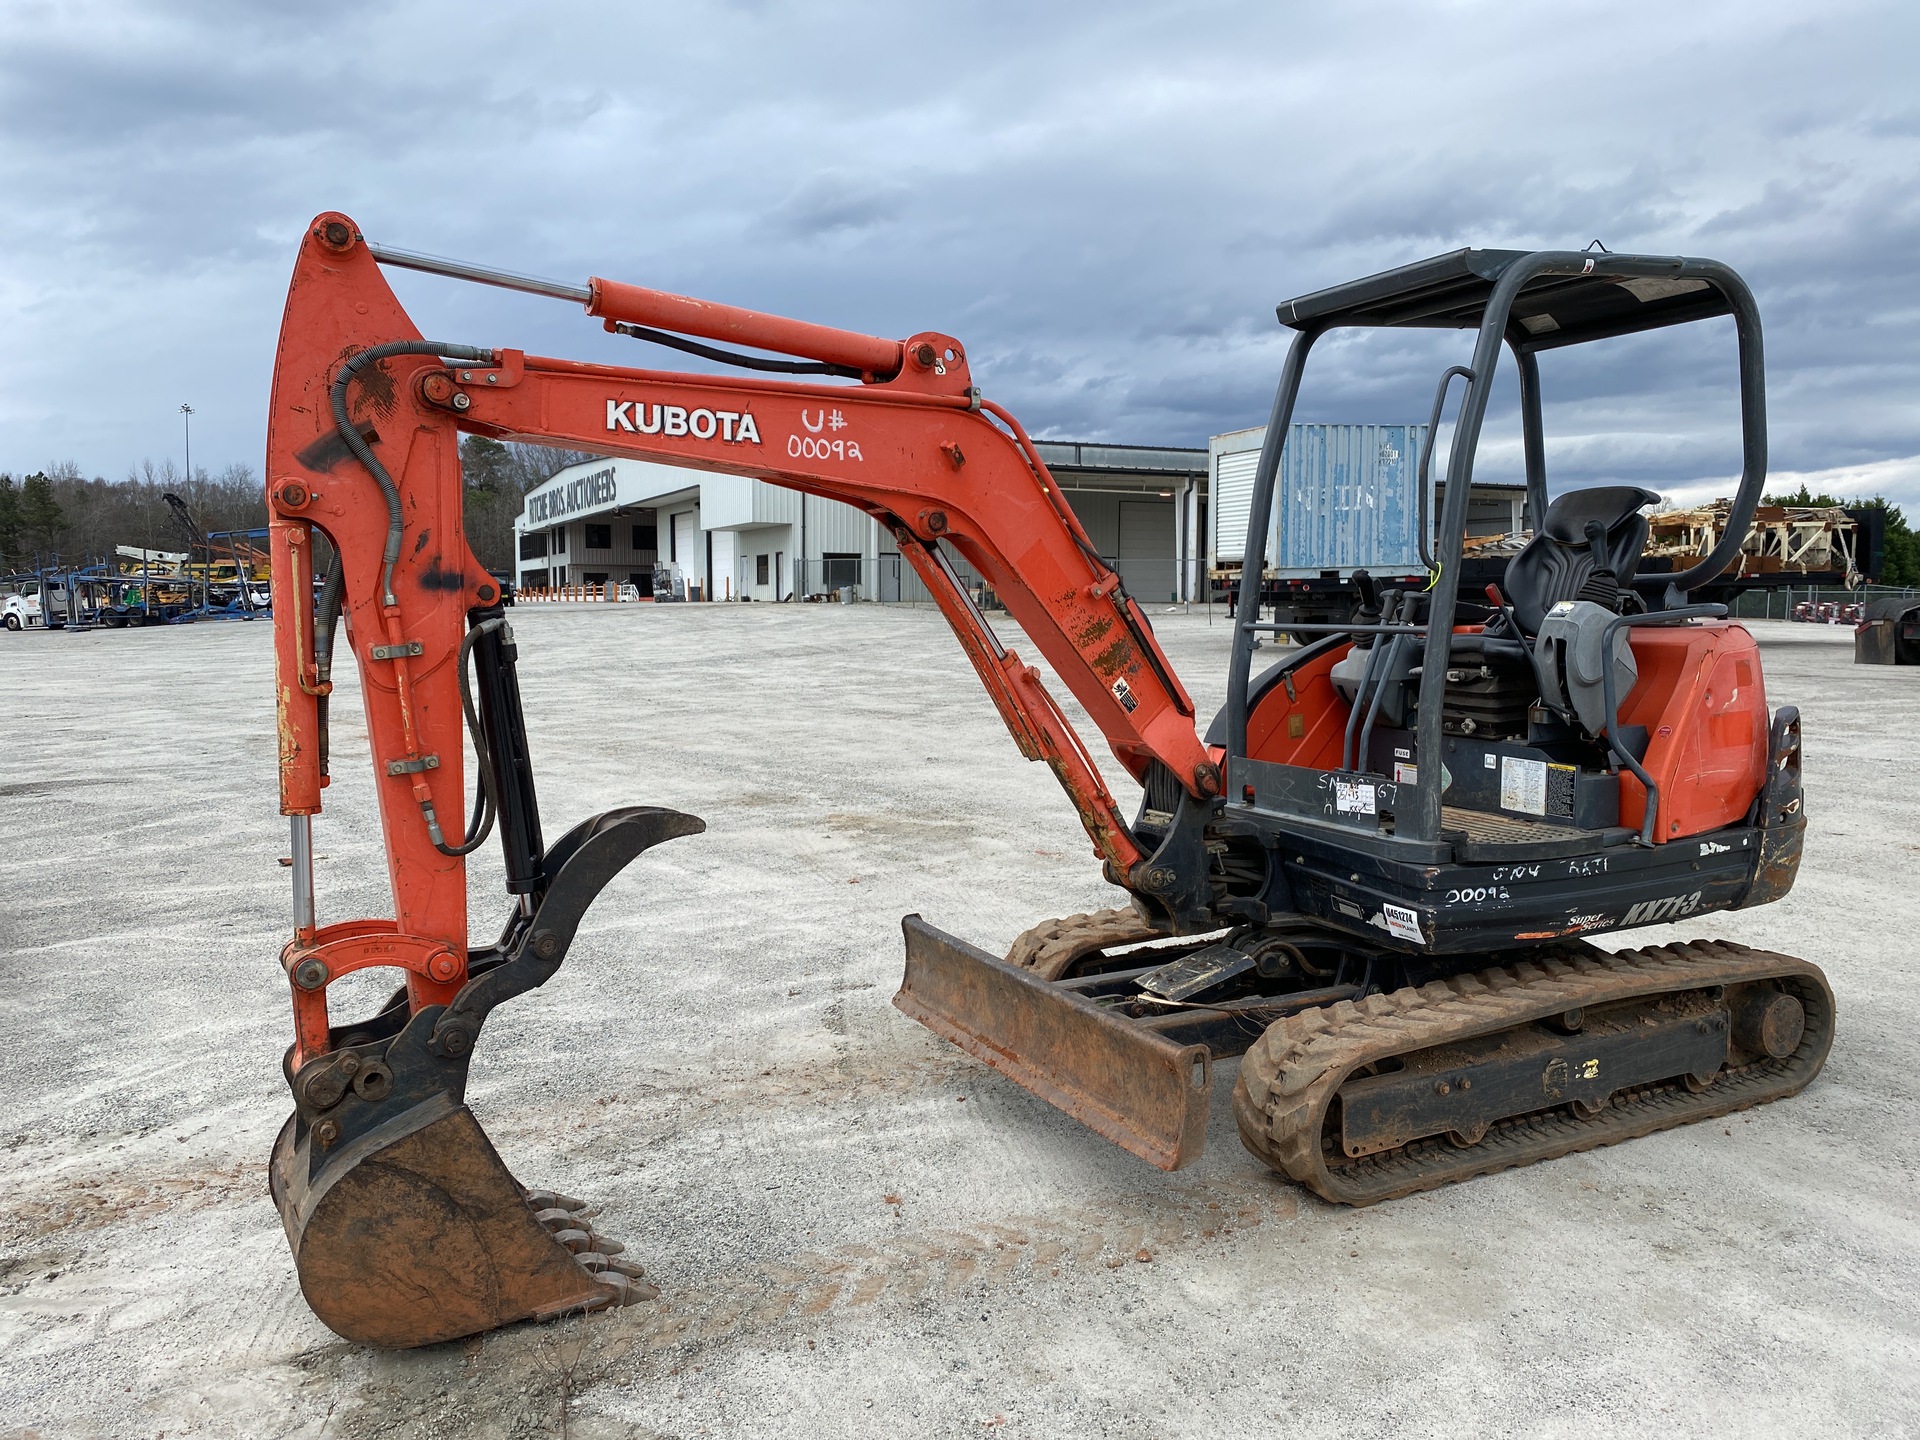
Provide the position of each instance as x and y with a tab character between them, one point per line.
585	493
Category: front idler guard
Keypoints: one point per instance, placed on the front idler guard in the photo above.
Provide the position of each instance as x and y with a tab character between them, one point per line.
406	1226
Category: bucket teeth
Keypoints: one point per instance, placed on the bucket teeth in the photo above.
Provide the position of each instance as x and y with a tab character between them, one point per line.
581	1241
627	1291
565	1218
594	1263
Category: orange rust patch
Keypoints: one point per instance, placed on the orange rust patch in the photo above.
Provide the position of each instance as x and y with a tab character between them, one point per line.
289	746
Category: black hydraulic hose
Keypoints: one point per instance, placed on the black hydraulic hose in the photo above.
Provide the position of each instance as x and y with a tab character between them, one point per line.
482	820
734	357
333	591
1395	648
1375	655
344	422
486	804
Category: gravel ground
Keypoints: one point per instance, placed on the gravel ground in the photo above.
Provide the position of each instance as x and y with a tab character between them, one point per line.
857	1230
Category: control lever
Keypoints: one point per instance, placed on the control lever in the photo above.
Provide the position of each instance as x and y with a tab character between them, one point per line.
1367	612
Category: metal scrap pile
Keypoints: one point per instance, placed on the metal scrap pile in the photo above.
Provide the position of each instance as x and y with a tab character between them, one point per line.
1785	539
1809	540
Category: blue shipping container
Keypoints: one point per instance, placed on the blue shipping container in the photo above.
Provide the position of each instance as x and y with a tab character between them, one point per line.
1348	497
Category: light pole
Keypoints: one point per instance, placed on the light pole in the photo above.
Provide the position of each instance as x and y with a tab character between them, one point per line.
186	415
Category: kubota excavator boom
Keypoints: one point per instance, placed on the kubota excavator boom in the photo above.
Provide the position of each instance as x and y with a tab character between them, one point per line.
1330	873
363	447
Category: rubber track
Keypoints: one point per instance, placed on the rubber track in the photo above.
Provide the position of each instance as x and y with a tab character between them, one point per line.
1050	948
1290	1076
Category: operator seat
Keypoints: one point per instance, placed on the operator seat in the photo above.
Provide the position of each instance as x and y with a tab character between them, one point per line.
1557	562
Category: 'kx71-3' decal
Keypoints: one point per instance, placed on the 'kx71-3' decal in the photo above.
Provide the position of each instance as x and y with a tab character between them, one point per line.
1648	912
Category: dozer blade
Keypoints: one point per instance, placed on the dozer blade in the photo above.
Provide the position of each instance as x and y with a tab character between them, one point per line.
1144	1092
416	1233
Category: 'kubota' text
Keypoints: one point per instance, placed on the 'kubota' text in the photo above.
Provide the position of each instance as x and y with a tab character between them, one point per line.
737	427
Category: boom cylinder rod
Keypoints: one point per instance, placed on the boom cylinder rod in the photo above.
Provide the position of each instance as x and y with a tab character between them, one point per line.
663	310
479	274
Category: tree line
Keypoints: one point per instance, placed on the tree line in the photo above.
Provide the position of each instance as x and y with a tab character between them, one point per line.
58	515
61	516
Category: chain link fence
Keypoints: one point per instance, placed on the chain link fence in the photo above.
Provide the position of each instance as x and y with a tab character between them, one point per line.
1825	603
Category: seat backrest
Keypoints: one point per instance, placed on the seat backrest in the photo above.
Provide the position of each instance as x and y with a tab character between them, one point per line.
1558	560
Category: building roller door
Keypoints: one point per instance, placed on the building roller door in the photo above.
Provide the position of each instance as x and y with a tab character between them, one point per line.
1148	563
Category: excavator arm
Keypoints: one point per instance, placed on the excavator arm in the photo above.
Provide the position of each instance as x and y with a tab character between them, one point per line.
381	1172
914	446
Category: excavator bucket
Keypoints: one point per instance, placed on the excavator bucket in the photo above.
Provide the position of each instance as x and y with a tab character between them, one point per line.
407	1228
419	1234
1146	1093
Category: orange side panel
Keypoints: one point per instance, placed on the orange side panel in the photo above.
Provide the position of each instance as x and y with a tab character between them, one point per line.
1704	704
1308	730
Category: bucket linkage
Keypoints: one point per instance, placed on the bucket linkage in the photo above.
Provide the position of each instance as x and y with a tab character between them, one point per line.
407	1227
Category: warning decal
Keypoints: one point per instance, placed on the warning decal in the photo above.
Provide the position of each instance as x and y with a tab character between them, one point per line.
1523	785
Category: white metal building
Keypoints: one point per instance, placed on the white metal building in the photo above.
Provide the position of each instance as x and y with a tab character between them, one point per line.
721	537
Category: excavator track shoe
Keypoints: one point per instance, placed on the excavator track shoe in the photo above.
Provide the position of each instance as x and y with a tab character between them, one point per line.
1374	1099
1051	948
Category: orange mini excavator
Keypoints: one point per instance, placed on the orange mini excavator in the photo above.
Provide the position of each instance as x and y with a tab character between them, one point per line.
1374	877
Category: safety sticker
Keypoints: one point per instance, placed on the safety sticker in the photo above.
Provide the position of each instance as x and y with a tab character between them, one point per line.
1123	692
1405	774
1353	797
1523	785
1562	786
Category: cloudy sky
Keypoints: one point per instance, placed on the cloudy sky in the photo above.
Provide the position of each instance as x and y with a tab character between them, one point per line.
1105	201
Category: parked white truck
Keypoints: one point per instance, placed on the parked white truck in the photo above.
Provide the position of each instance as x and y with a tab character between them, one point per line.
20	606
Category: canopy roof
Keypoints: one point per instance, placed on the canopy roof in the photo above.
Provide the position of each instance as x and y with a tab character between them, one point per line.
1619	295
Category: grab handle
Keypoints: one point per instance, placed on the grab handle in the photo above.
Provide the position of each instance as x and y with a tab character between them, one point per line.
1426	459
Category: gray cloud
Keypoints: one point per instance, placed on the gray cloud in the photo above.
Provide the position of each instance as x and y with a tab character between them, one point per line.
1104	202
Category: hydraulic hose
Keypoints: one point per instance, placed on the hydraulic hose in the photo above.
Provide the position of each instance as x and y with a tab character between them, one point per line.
361	452
486	804
733	357
333	592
